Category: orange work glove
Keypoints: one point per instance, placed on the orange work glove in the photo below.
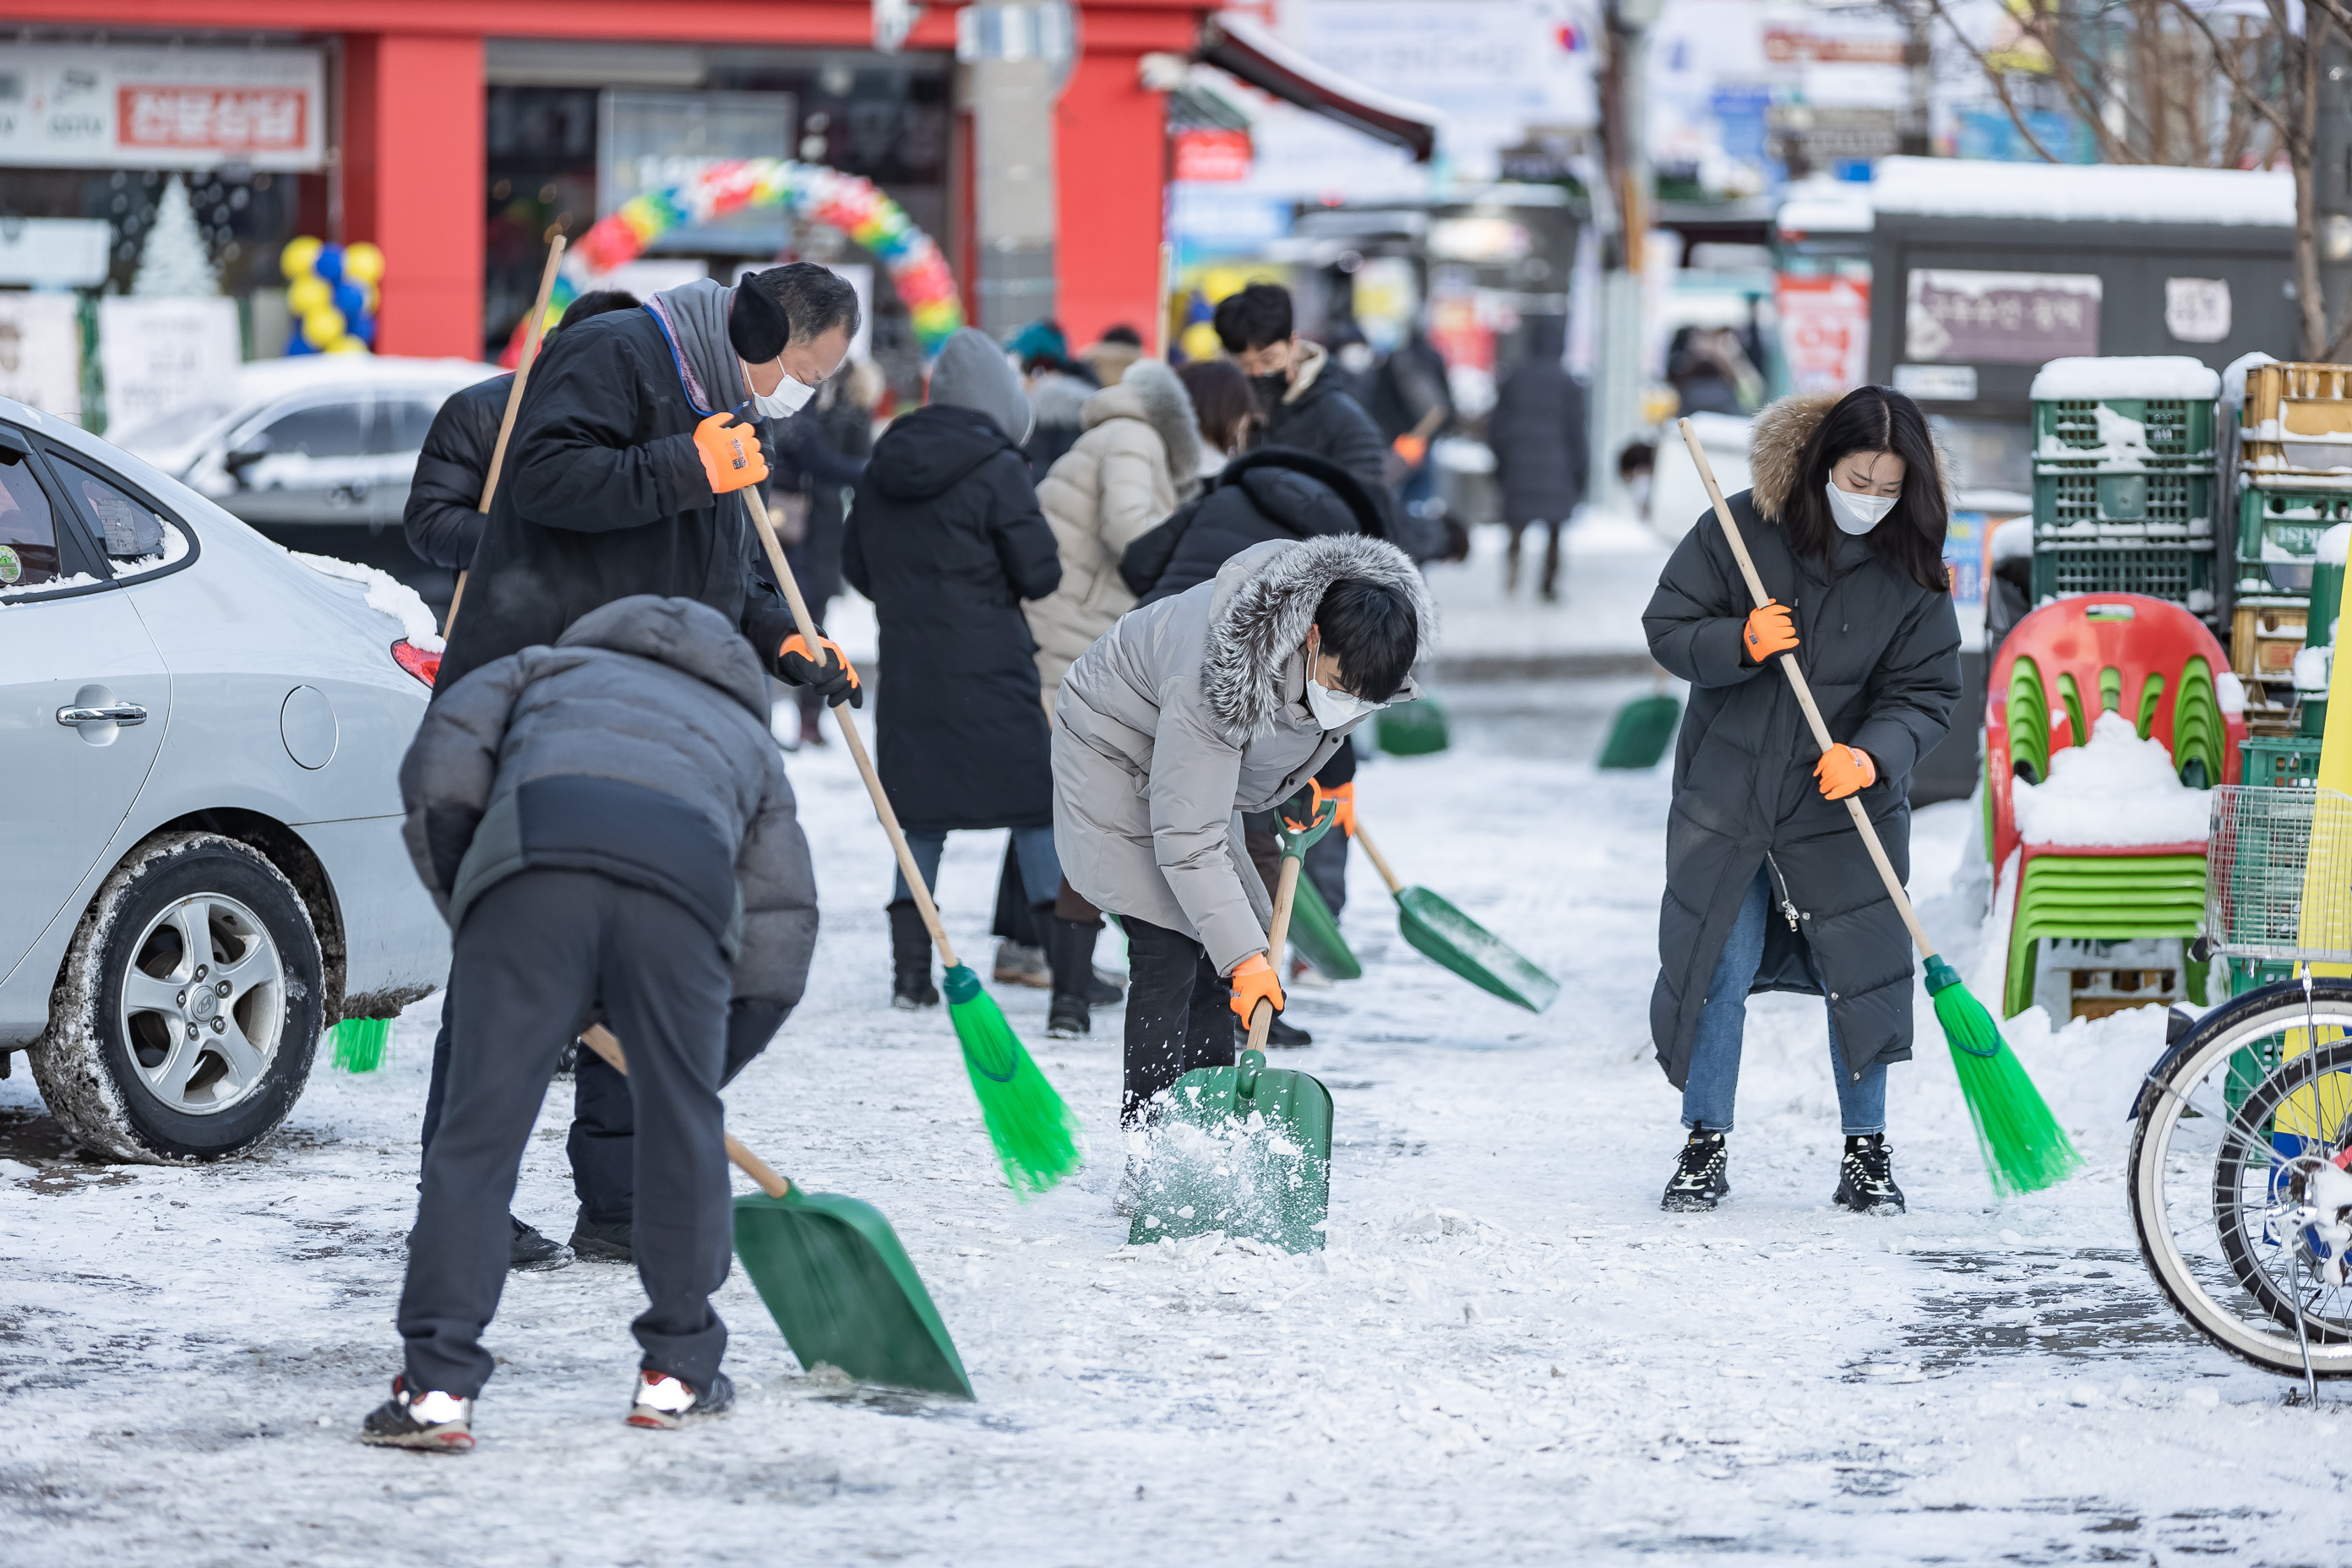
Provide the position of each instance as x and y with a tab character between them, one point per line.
731	453
1345	818
1843	769
1769	631
1411	447
828	672
1254	981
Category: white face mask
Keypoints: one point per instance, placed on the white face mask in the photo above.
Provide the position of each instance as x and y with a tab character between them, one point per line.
789	398
1856	514
1335	710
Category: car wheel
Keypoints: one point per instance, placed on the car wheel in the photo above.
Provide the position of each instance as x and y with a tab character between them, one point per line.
188	1008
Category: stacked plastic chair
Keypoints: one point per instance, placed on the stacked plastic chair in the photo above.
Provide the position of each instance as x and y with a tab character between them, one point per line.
2059	668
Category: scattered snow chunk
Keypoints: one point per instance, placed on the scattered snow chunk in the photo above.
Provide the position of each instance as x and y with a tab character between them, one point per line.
2229	692
2014	540
2335	544
2310	669
2145	376
385	594
2234	377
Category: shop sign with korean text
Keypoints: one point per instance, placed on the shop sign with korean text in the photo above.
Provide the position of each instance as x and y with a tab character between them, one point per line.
104	106
1999	318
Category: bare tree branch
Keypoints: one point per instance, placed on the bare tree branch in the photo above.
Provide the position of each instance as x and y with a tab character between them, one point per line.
1997	80
2242	89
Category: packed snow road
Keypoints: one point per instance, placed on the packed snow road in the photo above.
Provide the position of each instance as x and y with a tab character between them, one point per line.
1507	1354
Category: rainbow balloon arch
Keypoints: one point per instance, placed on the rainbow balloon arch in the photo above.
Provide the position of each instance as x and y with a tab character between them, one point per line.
812	191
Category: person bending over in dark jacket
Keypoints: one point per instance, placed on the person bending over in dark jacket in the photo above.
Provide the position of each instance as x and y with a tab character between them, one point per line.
1226	698
622	477
444	520
947	538
1768	887
607	827
1541	450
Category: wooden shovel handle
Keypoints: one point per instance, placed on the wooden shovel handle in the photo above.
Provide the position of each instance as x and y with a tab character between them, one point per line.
1286	893
533	329
849	735
605	1044
1862	822
1380	861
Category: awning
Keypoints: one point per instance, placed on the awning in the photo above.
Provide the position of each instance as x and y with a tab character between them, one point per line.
1242	46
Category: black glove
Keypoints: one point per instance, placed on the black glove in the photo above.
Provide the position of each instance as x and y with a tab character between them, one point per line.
832	678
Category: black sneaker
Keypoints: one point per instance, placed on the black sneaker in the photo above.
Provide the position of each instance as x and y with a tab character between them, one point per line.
664	1403
433	1423
1103	988
1069	1018
1282	1036
606	1243
913	996
531	1250
1698	1182
1866	1177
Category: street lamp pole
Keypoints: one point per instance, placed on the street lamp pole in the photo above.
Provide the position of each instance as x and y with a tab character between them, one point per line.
1615	416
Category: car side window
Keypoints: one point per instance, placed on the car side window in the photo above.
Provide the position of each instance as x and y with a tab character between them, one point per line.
135	536
28	529
322	430
399	426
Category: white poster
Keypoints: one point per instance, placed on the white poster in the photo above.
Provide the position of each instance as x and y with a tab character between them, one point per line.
103	106
2197	310
40	352
157	355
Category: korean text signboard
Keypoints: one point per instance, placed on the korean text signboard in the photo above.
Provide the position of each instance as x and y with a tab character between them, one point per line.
1824	331
108	105
1999	318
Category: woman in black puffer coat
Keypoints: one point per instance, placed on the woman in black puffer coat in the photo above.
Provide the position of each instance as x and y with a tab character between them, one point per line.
1768	887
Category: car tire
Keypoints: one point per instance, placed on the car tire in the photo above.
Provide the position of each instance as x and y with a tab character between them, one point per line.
187	1011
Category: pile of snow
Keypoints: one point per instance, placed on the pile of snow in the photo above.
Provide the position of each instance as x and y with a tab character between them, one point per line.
2090	192
2229	692
2014	540
2115	790
2335	545
2234	377
386	594
2146	376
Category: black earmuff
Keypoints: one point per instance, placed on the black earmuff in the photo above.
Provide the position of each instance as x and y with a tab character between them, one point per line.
756	325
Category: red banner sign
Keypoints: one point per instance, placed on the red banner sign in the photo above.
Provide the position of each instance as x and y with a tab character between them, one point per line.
1212	155
218	119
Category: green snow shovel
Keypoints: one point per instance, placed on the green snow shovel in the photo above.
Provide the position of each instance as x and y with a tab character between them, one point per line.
1246	1150
1315	935
834	1277
1445	933
1644	728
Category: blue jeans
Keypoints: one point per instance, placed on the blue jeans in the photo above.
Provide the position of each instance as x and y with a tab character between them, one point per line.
1713	1080
1040	868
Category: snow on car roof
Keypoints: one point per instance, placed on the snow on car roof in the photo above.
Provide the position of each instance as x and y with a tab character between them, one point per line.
2095	193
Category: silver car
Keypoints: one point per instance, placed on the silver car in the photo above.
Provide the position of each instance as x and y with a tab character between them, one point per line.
201	865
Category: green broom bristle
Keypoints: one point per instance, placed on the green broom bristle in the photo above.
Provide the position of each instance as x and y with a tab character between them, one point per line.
2024	1148
1036	1137
360	1043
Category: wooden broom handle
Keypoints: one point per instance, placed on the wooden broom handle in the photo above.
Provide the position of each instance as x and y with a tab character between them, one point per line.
607	1044
532	331
849	735
1286	892
1804	693
1380	861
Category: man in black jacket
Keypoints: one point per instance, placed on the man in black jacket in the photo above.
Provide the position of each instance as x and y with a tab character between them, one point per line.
622	477
444	520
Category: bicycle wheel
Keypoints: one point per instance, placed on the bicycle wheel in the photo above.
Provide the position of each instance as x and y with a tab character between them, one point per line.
2232	1133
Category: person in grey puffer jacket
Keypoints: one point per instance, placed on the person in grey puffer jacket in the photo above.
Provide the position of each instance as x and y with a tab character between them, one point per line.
1188	713
607	824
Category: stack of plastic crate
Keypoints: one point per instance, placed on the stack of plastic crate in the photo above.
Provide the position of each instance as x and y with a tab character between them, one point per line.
2295	483
2124	478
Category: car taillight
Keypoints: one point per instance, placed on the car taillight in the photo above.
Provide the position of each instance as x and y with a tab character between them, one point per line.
415	660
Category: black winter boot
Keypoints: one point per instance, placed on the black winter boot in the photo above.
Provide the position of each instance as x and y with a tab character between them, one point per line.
910	959
1070	946
1699	1181
1866	1177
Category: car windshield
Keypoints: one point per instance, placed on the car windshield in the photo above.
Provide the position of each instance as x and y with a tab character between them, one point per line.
171	429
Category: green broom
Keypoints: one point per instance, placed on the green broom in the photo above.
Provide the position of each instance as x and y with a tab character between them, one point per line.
1036	1136
360	1043
2024	1148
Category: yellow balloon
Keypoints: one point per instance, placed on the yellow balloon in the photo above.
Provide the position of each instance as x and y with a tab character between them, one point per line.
1199	341
347	344
299	256
322	327
362	263
306	294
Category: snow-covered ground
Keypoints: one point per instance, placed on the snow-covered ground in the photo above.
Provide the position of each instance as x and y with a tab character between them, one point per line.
1507	1354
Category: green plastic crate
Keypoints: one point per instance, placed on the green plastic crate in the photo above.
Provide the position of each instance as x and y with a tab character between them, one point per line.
2174	496
2249	973
2280	762
2289	522
2175	426
2174	572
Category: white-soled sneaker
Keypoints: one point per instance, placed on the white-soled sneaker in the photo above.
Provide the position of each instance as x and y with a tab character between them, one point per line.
664	1402
433	1422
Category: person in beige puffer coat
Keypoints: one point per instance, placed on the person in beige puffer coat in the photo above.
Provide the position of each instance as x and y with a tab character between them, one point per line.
1136	459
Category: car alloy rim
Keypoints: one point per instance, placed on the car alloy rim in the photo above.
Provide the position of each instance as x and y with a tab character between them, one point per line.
203	1002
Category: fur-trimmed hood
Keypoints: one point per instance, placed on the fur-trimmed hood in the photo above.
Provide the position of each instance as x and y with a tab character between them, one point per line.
1265	602
1775	444
1153	393
1059	400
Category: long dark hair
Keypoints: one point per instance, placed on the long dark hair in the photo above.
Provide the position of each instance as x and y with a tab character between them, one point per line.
1910	538
1221	401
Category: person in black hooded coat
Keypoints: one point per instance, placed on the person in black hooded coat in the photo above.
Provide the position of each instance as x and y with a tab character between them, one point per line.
1270	492
945	536
1542	458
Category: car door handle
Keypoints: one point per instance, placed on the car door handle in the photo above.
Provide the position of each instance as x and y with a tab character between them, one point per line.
104	713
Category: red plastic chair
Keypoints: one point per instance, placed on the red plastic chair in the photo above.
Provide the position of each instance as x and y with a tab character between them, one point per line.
2083	639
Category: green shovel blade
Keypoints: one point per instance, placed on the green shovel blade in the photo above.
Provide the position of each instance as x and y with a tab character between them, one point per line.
1445	933
844	1292
1315	932
1644	729
1245	1149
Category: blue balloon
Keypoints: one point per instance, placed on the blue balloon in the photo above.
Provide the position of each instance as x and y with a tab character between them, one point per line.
362	328
329	264
352	300
297	346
